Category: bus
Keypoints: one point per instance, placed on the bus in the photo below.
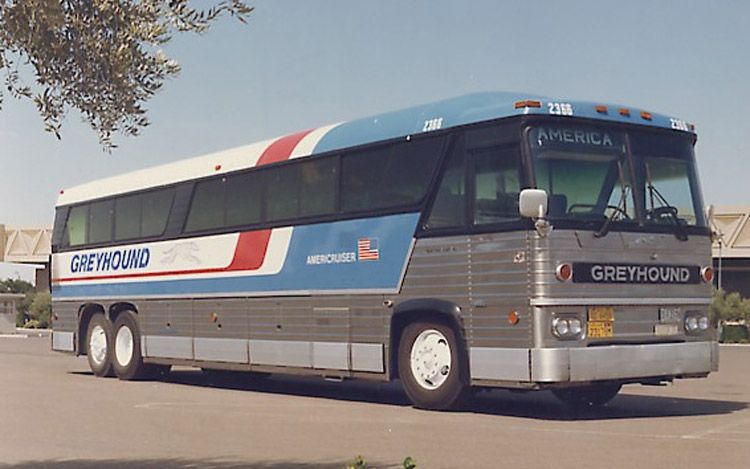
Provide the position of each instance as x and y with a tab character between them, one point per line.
494	240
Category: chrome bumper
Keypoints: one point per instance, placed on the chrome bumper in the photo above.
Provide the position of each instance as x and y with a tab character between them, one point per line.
623	361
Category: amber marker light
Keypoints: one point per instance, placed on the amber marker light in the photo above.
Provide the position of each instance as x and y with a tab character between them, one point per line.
625	112
601	109
217	167
527	103
513	318
564	272
707	274
214	317
646	115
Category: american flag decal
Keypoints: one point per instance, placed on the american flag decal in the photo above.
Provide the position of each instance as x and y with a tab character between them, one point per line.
367	249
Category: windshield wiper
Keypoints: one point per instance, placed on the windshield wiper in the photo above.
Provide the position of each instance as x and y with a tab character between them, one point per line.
666	209
621	207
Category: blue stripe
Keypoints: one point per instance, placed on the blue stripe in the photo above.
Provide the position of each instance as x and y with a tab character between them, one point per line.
464	110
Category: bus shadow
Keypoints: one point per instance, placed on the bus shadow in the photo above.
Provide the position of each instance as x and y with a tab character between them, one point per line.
540	405
170	464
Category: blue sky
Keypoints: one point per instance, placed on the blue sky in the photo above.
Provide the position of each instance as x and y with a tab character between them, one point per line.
301	64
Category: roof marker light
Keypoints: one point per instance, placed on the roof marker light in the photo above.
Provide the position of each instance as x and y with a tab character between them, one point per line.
527	103
62	191
601	109
646	115
217	167
625	112
692	127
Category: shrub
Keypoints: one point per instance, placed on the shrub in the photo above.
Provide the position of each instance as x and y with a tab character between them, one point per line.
735	333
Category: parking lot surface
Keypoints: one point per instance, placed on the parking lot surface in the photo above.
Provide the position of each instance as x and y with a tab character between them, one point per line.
54	412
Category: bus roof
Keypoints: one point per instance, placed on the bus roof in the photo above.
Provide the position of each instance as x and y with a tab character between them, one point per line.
415	120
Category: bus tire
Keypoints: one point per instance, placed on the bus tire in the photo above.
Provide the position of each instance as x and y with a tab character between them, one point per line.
587	397
429	364
99	345
127	360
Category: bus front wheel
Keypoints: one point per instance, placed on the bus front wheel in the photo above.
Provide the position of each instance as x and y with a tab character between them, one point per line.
591	396
429	364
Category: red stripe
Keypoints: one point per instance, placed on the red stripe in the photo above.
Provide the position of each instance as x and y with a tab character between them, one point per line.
281	149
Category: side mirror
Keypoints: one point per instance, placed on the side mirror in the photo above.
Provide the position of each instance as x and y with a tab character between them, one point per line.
532	203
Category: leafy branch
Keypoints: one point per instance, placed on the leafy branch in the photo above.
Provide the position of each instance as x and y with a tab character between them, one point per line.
100	57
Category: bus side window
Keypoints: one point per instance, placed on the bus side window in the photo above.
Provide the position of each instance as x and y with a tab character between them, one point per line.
449	208
207	206
497	183
318	187
101	219
75	228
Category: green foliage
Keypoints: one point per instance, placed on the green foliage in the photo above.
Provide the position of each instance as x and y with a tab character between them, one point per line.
35	309
358	463
735	333
410	463
40	311
15	285
729	307
100	57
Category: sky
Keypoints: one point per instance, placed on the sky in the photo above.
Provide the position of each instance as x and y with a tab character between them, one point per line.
301	64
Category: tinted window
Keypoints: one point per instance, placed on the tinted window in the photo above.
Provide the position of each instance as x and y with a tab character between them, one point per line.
243	199
128	217
282	189
449	208
101	217
389	176
155	212
207	207
318	187
497	183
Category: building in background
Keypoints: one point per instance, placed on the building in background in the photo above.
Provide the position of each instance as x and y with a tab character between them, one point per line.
731	248
30	246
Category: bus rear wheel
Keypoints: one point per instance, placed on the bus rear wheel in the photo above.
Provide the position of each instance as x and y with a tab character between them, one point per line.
429	364
588	397
98	339
127	359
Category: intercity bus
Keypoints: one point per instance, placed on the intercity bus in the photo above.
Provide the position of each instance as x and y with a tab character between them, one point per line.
491	240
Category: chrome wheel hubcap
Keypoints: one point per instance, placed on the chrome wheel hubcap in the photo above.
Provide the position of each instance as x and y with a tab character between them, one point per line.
430	359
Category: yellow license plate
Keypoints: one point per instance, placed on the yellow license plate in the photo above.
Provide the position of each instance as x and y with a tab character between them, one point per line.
601	313
601	329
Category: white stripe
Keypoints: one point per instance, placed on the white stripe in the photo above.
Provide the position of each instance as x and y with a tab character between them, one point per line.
201	166
306	146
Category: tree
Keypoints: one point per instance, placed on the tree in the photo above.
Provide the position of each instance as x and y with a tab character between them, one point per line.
100	57
729	307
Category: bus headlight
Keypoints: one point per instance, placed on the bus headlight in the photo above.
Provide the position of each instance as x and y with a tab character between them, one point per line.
568	327
696	323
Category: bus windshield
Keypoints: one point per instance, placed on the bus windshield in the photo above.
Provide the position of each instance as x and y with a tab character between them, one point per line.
587	173
584	171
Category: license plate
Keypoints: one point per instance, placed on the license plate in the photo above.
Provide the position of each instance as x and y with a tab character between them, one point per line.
666	329
669	315
601	329
601	313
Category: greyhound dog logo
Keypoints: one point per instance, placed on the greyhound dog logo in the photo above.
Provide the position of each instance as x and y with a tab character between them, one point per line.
182	252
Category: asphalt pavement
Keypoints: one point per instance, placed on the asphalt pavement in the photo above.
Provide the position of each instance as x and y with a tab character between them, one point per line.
54	412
